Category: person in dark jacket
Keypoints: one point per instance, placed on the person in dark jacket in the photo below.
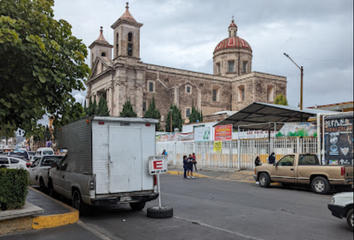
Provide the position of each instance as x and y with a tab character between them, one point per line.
257	161
191	162
185	166
195	161
271	159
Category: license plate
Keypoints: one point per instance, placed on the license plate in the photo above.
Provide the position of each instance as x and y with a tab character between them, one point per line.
125	198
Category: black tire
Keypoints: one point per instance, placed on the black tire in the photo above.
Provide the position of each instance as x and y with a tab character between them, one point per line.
264	180
137	206
350	219
42	186
51	190
78	204
320	185
156	212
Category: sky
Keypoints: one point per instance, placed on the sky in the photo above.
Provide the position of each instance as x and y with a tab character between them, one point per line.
316	34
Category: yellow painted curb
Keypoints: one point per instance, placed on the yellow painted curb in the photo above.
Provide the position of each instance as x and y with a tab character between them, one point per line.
181	173
55	220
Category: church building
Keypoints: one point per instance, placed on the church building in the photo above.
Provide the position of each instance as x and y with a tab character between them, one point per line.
118	74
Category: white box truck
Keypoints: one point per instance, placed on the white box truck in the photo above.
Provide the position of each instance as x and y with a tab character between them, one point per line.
106	162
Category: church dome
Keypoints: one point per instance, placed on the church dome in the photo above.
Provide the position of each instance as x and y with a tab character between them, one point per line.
232	42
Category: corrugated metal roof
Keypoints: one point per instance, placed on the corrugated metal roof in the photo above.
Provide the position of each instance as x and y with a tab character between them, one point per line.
126	119
261	115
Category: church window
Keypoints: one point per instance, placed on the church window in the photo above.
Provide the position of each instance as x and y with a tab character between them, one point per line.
130	37
215	94
130	49
231	66
188	112
244	67
270	94
241	93
188	89
103	54
218	68
117	45
151	86
144	106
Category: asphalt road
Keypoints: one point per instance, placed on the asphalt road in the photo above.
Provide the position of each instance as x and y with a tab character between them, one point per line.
212	209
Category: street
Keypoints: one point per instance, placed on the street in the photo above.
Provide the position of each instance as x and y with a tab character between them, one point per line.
211	209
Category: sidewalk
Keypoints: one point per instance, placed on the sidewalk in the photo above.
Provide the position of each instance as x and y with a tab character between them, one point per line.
40	211
217	173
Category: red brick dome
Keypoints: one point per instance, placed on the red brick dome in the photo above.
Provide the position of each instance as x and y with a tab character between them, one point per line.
232	42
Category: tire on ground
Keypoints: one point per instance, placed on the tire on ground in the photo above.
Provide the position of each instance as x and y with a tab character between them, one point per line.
264	180
51	190
320	185
137	206
78	204
350	219
163	212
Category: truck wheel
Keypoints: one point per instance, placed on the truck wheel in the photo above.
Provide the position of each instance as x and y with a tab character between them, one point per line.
163	212
42	186
137	206
350	219
264	180
78	204
320	185
51	190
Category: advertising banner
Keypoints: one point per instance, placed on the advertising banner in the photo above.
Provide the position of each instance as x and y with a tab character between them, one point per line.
339	140
202	134
223	133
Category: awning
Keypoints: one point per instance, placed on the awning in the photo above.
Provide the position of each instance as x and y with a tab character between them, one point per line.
263	115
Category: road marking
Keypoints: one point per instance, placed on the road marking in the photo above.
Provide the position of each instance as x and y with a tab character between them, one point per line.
94	229
219	229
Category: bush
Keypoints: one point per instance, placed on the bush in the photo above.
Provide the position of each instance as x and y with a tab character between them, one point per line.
13	188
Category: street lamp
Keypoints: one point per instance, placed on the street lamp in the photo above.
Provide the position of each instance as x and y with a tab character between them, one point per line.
302	75
171	110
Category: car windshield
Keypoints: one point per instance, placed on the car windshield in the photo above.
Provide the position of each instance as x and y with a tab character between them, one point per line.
47	152
47	161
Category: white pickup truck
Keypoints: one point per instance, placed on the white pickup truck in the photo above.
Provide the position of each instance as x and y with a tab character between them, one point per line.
39	171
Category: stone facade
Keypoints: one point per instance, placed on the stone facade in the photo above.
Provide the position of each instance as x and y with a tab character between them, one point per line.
232	86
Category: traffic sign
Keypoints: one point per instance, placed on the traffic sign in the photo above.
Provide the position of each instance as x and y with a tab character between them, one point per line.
157	165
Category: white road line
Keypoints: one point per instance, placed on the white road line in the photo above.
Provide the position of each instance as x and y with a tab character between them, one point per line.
94	229
219	229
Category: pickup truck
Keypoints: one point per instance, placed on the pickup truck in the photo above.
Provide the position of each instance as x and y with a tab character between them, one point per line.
39	171
304	169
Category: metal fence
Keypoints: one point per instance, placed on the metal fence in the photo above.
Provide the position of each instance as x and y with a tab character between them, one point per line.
228	157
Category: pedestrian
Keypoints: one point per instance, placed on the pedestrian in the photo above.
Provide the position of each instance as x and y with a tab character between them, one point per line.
195	162
190	166
271	158
185	166
257	161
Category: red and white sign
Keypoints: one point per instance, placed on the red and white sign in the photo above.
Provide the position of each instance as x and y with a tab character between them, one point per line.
223	133
157	165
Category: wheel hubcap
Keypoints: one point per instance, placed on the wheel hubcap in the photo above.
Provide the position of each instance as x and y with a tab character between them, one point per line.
262	180
319	186
352	220
76	201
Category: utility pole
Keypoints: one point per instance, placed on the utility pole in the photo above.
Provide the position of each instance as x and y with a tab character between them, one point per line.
301	83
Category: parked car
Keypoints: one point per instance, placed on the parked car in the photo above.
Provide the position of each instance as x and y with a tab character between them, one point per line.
19	154
44	151
341	206
31	153
39	171
12	163
304	169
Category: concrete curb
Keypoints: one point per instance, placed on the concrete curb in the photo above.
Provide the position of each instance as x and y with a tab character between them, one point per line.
181	173
55	220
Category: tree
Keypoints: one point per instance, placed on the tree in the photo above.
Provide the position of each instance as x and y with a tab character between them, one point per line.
41	64
176	119
128	110
195	115
152	112
7	131
280	99
94	107
90	108
102	109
